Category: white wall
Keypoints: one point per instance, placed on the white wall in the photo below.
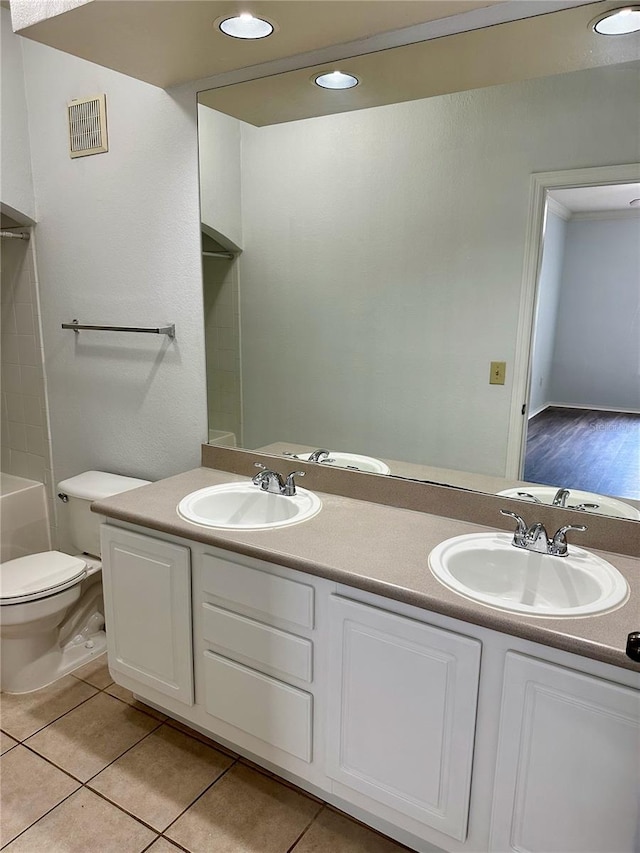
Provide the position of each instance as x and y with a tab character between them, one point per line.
548	297
220	176
16	184
597	351
383	262
118	242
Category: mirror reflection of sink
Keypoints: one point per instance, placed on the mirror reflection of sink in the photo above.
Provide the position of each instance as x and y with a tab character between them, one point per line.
341	459
577	498
487	568
244	506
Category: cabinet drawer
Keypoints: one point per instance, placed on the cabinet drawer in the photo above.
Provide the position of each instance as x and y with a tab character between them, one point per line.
261	706
268	649
259	593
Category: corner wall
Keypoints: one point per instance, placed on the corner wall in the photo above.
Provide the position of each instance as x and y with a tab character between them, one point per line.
16	190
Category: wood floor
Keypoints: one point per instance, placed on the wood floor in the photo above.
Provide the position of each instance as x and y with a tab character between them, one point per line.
585	449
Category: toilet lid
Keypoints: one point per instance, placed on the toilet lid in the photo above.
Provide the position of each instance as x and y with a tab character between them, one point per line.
38	575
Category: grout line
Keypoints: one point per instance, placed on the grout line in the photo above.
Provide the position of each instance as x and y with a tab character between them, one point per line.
208	788
290	849
64	714
41	816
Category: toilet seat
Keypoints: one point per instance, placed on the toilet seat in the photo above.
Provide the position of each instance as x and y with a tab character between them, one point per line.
38	576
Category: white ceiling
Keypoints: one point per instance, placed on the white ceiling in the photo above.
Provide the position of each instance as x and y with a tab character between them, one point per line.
555	43
170	42
597	199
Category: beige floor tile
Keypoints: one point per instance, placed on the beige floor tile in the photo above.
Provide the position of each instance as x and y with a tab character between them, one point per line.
164	846
85	823
96	672
245	812
25	713
161	776
30	787
6	743
127	696
332	832
88	738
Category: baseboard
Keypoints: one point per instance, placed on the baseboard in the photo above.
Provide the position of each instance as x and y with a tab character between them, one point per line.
582	407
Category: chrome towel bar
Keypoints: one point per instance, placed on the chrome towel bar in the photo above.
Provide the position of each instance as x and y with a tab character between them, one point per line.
160	330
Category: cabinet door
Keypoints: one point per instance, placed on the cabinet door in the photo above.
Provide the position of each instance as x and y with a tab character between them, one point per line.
567	777
402	714
147	590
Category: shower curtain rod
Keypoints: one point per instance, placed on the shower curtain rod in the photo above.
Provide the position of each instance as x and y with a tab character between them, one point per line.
15	235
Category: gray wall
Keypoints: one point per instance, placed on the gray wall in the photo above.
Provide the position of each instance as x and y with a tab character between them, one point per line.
597	351
382	262
548	298
118	242
16	193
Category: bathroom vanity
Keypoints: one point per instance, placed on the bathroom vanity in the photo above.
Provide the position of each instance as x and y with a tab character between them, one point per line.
328	653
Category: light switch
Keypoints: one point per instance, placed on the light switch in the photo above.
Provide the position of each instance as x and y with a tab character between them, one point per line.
498	371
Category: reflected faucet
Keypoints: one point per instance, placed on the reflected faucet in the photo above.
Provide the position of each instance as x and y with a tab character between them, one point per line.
319	456
560	497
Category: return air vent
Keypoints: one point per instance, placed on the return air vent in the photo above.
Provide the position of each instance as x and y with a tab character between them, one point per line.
88	126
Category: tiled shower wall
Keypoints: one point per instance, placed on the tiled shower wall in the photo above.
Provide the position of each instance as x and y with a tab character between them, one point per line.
24	437
222	330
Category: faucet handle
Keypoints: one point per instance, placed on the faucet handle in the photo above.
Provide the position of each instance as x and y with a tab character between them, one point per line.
558	545
521	526
290	485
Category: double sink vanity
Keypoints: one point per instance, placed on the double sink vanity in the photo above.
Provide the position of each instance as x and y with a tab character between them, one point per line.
409	666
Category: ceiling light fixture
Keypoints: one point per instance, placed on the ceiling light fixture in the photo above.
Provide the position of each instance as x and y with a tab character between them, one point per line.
246	26
335	80
618	22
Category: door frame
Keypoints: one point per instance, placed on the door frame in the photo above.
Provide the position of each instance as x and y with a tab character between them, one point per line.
540	183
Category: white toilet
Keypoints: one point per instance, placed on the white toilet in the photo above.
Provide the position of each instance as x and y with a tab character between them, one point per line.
51	610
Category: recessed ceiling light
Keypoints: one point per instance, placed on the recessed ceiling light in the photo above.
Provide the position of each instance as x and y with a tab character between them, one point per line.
246	26
335	80
618	22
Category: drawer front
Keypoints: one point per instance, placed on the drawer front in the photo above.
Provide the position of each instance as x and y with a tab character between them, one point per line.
261	646
274	712
259	593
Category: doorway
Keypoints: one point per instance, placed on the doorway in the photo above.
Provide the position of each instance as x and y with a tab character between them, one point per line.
582	428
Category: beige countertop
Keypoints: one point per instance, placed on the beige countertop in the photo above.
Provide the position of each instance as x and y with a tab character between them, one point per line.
382	550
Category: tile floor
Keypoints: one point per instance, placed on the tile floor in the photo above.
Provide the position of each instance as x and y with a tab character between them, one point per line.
87	769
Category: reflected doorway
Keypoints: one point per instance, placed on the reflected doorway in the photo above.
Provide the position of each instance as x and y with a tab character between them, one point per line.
583	424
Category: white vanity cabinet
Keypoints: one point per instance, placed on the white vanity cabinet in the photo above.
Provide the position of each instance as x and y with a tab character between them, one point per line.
147	595
379	707
254	637
567	776
402	715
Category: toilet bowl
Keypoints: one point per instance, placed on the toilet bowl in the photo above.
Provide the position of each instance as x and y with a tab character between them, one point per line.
51	610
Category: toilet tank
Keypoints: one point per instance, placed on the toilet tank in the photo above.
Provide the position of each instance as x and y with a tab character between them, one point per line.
79	492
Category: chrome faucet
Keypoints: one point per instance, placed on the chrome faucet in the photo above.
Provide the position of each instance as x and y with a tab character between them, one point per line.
319	456
535	538
271	481
560	497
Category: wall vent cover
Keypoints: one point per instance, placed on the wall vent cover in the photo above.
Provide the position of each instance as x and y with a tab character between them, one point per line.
88	126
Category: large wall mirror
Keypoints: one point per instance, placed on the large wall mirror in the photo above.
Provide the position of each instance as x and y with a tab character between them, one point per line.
364	264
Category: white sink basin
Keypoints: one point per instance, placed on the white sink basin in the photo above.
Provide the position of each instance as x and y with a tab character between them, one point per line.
244	506
341	459
606	505
487	568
